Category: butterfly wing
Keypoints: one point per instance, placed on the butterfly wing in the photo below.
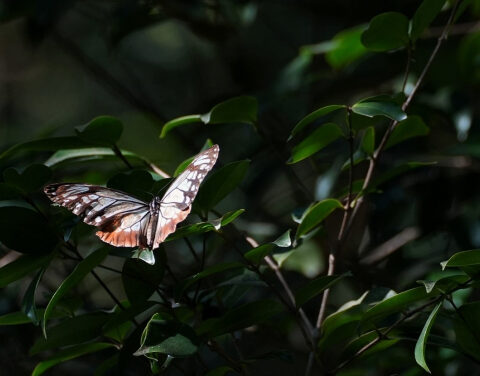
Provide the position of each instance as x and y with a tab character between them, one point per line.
122	219
177	200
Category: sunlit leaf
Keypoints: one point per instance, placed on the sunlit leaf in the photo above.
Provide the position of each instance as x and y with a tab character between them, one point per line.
421	344
379	106
368	142
317	114
347	47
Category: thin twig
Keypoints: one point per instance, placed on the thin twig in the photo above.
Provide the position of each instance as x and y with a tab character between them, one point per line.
120	155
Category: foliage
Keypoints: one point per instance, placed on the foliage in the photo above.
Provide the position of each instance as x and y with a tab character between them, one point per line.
341	220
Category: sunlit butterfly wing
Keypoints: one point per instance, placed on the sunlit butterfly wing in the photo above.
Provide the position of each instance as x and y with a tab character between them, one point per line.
121	219
125	221
177	200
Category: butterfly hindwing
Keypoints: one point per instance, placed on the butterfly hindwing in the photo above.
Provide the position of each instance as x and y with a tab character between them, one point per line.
125	221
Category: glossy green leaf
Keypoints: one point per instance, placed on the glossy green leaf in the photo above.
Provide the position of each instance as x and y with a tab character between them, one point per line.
146	255
203	227
235	110
103	130
444	284
314	215
257	254
411	127
316	141
317	114
140	279
70	353
219	184
398	170
424	15
72	331
31	179
346	47
167	337
467	328
21	267
379	106
81	270
15	217
421	344
28	303
241	317
87	154
395	304
465	258
45	144
360	342
314	288
387	31
368	141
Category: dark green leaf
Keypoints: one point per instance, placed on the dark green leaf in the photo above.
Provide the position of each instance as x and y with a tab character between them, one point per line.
398	170
140	279
465	258
167	337
346	47
81	270
219	184
387	31
28	303
314	215
411	127
103	130
316	141
368	142
21	267
137	182
423	17
182	166
310	118
15	217
314	288
45	144
395	304
379	106
239	318
29	180
169	125
444	284
467	328
220	371
72	331
87	154
122	316
70	353
203	227
257	254
421	344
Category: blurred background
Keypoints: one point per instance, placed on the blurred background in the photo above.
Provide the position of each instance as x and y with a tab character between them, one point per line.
62	63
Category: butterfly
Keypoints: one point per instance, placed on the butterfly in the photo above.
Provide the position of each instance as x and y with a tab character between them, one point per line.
125	221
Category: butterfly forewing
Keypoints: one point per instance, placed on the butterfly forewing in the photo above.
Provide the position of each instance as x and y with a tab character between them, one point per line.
125	221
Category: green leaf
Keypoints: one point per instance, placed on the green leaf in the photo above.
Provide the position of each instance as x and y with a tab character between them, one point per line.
28	303
32	178
235	110
467	328
465	258
387	31
257	254
167	337
45	144
182	166
219	184
15	217
368	142
241	317
310	118
203	227
146	255
421	344
72	331
316	141
207	272
398	170
21	267
124	315
314	215
411	127
379	106
346	47
103	131
137	182
81	270
314	288
395	304
424	15
70	353
87	154
140	279
220	371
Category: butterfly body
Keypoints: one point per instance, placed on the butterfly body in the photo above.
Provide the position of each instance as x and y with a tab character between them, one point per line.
125	221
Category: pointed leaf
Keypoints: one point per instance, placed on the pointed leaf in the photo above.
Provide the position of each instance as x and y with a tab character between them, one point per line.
314	288
316	214
465	258
28	303
31	179
368	142
387	31
103	130
235	110
411	127
310	118
21	267
421	344
64	156
174	123
424	15
379	106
